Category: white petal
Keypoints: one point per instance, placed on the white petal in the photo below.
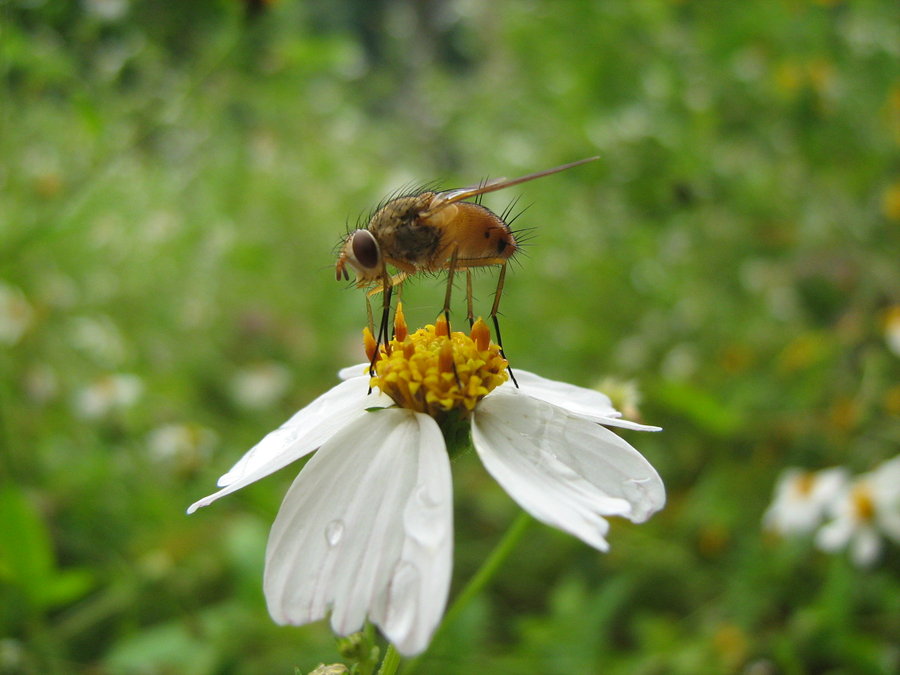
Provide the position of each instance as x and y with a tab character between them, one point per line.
623	424
358	370
588	403
565	395
885	482
835	535
563	469
829	485
299	436
367	529
889	522
866	547
889	473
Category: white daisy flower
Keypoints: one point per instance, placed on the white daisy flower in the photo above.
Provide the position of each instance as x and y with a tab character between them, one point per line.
108	394
183	445
802	499
366	530
866	510
260	386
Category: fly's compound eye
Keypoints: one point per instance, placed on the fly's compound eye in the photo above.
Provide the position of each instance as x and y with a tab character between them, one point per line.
365	249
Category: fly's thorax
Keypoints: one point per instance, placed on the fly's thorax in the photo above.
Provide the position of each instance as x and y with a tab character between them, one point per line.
406	240
399	212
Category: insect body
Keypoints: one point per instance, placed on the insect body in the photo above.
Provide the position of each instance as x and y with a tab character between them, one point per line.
433	231
423	234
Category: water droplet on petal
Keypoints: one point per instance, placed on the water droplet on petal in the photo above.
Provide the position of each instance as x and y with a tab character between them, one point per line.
333	532
425	497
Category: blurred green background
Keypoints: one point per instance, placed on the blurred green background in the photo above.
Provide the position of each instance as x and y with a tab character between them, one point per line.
174	177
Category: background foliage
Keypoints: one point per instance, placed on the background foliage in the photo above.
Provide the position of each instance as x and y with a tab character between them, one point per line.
174	177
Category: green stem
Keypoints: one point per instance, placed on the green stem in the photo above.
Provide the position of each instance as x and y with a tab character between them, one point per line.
391	662
486	572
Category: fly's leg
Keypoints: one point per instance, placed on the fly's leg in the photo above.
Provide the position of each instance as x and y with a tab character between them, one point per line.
451	269
384	329
387	287
500	279
369	315
469	313
382	337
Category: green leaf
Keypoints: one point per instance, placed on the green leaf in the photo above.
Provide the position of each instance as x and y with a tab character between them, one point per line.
700	407
26	554
27	559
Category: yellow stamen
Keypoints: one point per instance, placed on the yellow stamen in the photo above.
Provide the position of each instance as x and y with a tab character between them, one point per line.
445	357
481	335
435	371
400	329
441	327
863	503
369	343
806	481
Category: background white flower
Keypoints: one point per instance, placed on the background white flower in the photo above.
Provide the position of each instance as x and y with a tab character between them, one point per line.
802	499
183	445
106	394
260	385
867	510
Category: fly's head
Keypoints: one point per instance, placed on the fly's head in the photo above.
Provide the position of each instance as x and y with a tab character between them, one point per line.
361	252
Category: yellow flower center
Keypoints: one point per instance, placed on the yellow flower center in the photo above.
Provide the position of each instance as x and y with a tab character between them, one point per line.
863	503
805	483
435	371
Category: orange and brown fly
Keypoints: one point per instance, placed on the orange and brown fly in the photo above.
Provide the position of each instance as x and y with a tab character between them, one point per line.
433	231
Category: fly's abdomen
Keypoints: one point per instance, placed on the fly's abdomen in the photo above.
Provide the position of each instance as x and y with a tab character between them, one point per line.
481	234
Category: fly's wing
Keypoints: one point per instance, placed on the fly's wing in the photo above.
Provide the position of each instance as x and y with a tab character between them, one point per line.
443	199
459	194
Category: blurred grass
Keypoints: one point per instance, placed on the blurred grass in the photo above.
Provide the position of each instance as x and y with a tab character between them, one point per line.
174	177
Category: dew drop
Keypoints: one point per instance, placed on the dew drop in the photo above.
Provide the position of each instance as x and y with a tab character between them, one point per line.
425	498
333	532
